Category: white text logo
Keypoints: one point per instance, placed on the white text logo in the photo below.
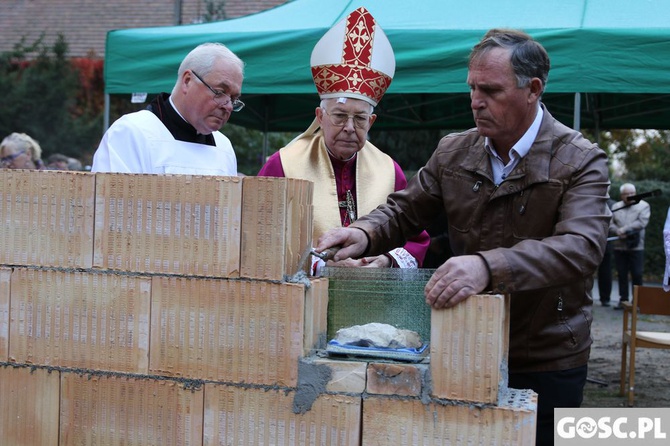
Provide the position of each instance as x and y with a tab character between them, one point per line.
607	427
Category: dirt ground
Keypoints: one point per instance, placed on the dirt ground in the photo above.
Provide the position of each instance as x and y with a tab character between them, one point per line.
652	379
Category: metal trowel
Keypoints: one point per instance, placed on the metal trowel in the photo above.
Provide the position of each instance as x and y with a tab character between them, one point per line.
326	255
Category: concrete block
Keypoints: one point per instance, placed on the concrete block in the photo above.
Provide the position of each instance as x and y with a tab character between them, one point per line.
395	378
173	224
46	218
405	422
346	376
5	274
468	349
276	226
316	316
257	416
79	319
29	406
123	410
227	330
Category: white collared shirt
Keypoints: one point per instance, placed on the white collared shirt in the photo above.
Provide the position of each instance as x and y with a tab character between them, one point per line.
500	170
140	143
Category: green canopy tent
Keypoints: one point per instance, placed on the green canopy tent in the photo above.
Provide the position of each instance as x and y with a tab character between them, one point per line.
610	59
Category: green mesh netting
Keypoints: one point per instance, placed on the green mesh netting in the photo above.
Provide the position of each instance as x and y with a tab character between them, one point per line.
394	296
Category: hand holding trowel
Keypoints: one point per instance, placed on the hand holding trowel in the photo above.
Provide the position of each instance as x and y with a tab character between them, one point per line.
352	242
326	255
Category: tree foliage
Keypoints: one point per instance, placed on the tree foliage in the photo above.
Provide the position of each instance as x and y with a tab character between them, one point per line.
649	158
43	98
214	10
410	149
637	154
248	144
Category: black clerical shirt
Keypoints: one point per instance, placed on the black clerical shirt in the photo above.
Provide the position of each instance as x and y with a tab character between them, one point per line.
180	129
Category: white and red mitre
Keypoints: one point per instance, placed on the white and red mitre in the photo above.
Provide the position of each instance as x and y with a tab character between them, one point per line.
354	59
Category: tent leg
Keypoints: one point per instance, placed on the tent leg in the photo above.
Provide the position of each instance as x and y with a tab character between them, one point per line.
105	119
576	123
266	136
266	143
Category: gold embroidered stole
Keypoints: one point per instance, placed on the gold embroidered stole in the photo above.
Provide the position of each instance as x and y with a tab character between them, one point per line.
306	158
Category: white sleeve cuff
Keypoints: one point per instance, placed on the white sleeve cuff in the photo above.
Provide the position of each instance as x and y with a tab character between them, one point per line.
403	258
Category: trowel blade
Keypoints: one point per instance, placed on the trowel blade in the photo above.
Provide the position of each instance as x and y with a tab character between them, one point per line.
303	259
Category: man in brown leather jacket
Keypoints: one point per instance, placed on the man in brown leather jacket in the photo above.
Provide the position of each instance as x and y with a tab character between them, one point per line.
525	198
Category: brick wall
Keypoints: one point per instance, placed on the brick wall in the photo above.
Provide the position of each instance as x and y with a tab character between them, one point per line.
131	334
85	23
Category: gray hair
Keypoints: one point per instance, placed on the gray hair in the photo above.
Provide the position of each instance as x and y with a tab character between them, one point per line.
23	142
201	59
529	59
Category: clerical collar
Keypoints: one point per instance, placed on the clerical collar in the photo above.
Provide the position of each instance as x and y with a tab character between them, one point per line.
163	107
333	157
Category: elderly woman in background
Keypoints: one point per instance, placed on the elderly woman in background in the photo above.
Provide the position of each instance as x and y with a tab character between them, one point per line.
20	151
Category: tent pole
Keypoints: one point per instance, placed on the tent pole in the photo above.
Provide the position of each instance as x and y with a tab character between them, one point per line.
105	119
266	137
177	12
578	110
266	142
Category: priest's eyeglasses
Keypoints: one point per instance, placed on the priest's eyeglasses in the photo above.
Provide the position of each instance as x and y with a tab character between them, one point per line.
361	120
221	97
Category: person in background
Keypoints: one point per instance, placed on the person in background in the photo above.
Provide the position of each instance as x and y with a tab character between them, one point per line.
629	220
605	271
179	132
666	246
526	204
20	151
351	176
58	161
74	164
